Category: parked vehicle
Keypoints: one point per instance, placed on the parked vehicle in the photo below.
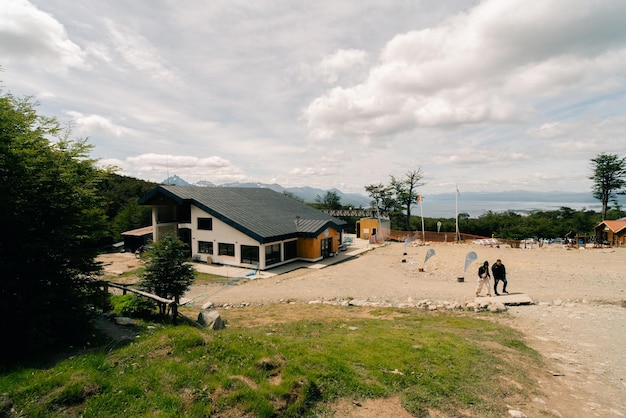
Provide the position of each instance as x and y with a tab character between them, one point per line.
139	251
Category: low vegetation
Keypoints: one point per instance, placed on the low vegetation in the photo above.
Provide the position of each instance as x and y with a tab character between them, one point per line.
287	361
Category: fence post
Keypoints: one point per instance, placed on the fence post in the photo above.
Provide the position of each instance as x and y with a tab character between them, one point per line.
174	305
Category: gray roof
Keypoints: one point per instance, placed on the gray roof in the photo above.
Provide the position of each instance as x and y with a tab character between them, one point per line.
262	214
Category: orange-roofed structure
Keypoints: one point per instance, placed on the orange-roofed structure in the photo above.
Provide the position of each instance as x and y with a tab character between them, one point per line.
611	233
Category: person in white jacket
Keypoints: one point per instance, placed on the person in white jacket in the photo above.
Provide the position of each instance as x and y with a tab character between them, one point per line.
483	279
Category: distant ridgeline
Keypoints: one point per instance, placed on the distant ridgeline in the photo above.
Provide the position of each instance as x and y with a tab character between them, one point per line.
440	205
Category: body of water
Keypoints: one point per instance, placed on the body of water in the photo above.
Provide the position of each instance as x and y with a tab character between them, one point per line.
446	208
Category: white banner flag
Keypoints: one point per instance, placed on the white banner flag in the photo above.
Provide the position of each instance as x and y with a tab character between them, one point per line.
469	259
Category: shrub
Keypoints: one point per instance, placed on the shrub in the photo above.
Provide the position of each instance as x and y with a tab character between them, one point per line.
132	305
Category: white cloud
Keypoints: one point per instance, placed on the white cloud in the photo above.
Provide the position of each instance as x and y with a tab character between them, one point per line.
88	124
157	167
27	33
493	63
491	94
548	130
139	53
341	61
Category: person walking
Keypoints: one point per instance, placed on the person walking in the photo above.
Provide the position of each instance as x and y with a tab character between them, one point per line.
483	279
499	273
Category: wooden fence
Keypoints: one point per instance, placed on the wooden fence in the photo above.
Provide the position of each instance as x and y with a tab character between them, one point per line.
171	303
432	236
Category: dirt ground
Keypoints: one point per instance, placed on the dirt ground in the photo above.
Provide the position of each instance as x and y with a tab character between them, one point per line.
577	321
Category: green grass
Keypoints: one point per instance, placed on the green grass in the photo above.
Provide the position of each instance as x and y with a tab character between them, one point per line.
297	364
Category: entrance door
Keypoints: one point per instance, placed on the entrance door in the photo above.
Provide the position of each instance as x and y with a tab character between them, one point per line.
184	234
327	245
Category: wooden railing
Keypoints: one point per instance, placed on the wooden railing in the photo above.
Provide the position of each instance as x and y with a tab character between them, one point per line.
163	302
362	213
449	237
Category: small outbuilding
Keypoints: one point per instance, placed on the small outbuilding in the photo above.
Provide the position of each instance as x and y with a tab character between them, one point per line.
373	229
136	238
611	233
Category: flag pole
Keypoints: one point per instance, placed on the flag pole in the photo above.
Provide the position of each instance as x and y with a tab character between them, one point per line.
422	213
456	201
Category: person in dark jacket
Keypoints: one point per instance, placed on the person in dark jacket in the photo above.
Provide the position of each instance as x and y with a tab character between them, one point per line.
483	279
499	273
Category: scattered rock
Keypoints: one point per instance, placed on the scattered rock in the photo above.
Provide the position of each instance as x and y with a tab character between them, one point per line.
497	307
123	320
481	305
6	405
517	414
211	319
207	305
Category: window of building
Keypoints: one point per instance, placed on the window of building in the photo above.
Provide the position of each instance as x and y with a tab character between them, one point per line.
166	214
272	254
226	249
205	224
291	250
250	254
205	247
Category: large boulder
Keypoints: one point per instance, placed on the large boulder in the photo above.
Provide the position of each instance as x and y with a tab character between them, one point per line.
210	319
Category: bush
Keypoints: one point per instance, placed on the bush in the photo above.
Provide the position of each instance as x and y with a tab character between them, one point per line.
133	306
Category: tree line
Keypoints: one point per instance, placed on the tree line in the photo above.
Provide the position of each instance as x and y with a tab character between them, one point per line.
397	198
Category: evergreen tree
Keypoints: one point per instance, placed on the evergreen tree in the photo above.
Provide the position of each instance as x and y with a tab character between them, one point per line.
167	274
51	222
609	178
330	200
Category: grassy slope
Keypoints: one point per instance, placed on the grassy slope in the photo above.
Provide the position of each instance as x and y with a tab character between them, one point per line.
289	360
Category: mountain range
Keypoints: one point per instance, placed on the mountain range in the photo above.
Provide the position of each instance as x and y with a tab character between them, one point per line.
308	194
474	203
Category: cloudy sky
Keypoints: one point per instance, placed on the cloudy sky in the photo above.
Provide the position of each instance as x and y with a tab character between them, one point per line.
490	95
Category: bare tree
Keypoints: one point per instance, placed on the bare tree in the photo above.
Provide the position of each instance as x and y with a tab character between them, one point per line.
406	193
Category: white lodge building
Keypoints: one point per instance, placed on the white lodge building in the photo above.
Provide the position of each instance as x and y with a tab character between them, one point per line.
243	227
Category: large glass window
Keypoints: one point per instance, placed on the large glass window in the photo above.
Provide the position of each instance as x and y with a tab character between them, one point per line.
226	249
250	254
205	224
291	250
272	254
205	247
